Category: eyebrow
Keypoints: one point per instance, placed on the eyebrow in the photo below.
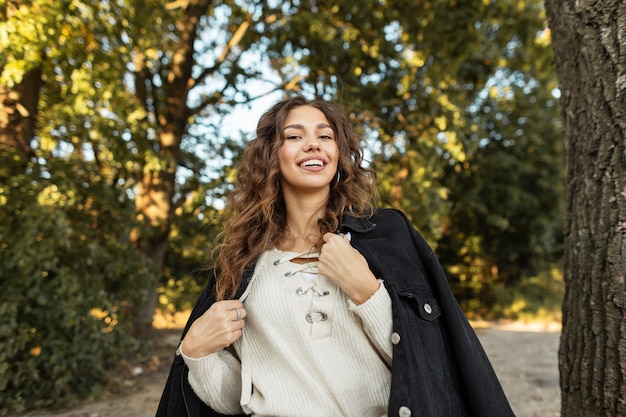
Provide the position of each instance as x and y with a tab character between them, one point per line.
301	127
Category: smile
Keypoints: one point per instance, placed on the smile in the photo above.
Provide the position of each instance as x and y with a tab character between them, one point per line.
312	163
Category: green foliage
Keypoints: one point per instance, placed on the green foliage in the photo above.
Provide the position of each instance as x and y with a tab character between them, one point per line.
67	276
454	100
506	218
532	298
464	132
179	294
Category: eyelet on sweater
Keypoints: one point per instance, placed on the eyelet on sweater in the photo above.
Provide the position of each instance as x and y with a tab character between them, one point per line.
316	316
302	291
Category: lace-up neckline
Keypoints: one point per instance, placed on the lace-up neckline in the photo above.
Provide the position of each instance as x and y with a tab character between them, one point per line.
310	284
307	269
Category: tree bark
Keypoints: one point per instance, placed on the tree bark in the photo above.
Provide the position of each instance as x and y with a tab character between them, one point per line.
156	188
18	115
589	40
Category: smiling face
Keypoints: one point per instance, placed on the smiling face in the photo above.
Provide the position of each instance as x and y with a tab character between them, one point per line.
309	155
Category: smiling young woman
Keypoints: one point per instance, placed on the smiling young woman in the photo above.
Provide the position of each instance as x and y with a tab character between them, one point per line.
309	155
320	304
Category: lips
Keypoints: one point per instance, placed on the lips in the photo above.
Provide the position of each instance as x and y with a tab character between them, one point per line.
312	163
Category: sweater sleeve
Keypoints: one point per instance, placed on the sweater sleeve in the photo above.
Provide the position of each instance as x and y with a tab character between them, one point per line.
377	320
216	380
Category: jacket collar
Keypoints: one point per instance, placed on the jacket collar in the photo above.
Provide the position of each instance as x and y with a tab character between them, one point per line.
355	224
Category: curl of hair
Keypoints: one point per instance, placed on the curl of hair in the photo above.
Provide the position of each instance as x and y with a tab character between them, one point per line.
255	217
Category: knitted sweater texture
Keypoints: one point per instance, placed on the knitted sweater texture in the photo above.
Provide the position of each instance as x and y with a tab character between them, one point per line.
306	349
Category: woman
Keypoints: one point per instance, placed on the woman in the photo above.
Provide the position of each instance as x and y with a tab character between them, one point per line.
318	303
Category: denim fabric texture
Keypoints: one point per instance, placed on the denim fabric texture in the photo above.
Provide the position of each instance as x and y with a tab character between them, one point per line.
439	367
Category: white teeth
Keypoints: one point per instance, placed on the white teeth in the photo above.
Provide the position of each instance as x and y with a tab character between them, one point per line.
312	163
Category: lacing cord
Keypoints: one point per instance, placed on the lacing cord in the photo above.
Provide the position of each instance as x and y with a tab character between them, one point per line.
301	291
308	268
307	254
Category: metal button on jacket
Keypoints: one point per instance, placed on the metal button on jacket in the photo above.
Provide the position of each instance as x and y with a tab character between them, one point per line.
404	411
427	308
395	338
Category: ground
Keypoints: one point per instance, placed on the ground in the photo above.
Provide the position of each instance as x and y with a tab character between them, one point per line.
523	355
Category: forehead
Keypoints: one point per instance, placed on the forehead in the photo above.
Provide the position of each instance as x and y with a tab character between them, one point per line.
305	115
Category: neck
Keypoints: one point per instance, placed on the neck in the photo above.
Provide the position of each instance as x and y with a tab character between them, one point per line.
303	212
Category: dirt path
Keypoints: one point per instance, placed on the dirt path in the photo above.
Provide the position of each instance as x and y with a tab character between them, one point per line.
525	360
524	357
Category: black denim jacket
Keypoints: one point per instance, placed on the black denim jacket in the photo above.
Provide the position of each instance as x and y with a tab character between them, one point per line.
439	367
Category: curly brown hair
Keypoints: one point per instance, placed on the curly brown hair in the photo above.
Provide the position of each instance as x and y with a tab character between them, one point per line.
255	218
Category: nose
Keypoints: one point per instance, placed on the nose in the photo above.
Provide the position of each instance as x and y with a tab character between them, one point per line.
311	143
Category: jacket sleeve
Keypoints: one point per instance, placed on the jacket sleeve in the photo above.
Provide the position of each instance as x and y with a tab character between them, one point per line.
178	398
484	394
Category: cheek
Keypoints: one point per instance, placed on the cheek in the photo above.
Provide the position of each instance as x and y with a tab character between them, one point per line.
283	157
334	154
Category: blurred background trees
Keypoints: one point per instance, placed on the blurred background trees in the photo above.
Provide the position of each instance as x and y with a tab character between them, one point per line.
115	158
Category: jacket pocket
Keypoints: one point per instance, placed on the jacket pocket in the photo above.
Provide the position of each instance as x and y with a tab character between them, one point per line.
423	314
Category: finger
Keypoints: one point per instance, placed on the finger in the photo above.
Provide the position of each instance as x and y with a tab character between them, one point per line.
227	307
237	333
327	236
231	304
240	313
334	239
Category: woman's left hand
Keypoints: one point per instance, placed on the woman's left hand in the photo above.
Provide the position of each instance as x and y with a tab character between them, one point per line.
347	268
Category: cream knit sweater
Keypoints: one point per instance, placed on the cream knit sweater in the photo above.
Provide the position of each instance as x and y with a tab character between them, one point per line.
306	349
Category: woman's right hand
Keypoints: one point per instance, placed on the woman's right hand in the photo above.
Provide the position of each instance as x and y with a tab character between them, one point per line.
216	329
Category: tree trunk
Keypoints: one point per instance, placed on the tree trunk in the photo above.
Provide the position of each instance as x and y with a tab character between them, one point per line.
18	111
156	189
18	117
589	40
154	205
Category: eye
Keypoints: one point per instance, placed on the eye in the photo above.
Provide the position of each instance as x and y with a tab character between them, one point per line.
326	137
293	136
